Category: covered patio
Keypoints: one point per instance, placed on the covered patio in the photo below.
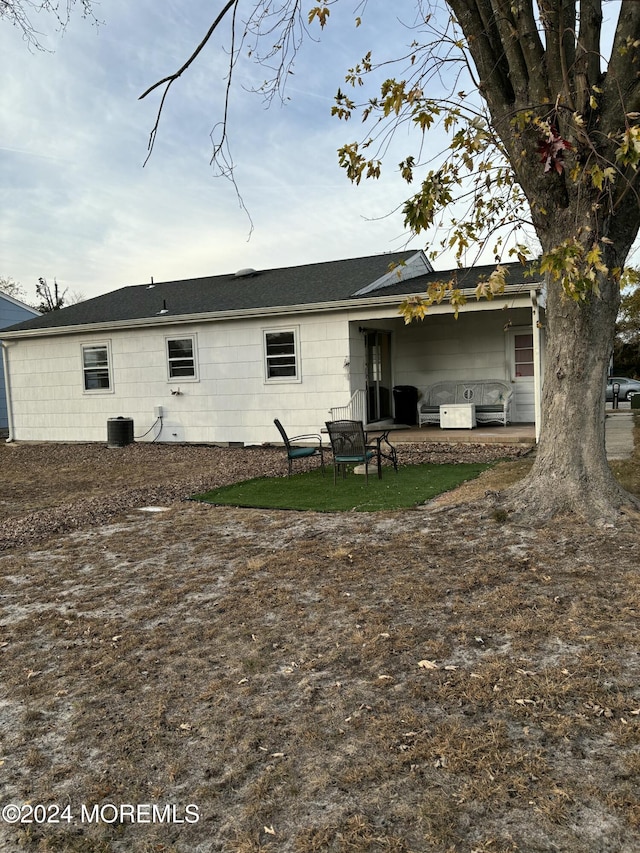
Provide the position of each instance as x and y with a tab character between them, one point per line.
497	341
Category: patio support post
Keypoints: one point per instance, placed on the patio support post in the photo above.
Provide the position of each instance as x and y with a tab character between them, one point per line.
538	368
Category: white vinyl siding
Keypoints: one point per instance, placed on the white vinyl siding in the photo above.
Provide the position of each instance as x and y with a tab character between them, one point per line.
229	402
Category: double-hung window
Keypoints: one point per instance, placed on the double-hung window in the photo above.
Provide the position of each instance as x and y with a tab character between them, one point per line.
96	367
281	355
181	358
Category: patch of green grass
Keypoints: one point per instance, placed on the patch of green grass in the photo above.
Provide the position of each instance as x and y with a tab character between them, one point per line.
411	486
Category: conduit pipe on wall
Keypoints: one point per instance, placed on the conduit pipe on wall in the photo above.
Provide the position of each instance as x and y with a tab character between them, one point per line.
7	387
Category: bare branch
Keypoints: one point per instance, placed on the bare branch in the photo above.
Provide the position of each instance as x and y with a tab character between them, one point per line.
222	156
171	78
588	47
19	14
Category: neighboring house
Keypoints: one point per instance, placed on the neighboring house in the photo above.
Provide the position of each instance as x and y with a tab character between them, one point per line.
216	359
12	311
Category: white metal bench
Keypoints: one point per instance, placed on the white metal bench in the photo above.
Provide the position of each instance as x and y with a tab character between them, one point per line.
491	397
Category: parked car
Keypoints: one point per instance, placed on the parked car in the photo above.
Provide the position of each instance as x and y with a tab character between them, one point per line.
628	387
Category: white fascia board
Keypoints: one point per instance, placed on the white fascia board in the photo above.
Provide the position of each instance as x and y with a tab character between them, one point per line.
511	293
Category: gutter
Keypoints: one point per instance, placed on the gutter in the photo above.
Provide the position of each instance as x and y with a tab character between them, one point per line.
244	313
7	387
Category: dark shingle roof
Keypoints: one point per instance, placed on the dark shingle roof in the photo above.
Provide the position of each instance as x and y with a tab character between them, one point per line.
332	281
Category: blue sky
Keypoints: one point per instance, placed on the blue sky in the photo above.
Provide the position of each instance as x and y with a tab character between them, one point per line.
78	205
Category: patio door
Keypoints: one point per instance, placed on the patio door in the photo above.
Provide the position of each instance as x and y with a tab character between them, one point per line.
378	350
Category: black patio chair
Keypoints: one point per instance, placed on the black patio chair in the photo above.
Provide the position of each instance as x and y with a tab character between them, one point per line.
302	452
350	447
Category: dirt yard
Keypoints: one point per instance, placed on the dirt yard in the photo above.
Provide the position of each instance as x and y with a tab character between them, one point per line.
210	679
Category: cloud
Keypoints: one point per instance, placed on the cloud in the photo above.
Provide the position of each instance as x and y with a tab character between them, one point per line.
81	207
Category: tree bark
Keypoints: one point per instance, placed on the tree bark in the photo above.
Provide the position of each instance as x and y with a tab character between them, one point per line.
571	474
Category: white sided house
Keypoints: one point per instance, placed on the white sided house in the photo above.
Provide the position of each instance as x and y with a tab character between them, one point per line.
216	359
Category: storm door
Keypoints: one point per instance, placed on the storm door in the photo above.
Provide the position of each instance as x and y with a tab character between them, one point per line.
378	348
520	344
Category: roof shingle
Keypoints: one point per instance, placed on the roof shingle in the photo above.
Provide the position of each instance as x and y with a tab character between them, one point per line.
326	282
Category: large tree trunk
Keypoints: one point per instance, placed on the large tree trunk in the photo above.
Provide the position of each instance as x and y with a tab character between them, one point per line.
585	110
571	473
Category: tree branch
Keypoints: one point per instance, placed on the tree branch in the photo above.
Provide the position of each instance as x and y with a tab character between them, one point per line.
558	19
588	50
169	80
17	12
518	71
478	25
533	50
622	82
172	77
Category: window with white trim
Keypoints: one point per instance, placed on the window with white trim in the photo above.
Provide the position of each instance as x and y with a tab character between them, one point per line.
281	355
181	358
96	367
